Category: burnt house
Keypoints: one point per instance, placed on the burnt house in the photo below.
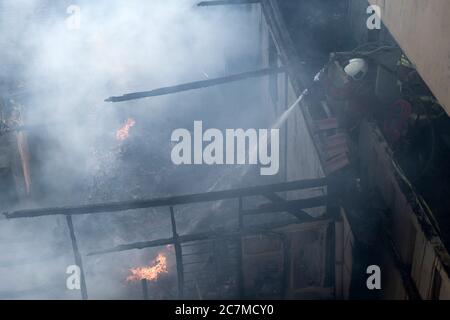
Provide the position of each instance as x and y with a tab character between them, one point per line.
361	181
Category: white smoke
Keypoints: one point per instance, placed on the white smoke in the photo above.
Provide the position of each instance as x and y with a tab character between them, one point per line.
61	74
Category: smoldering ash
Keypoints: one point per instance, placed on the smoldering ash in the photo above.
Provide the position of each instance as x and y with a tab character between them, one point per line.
235	147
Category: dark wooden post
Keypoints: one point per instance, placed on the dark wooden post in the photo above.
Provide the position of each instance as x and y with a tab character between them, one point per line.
178	255
77	256
241	252
286	128
144	289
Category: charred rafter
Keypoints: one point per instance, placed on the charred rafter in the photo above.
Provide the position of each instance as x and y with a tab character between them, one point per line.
183	239
168	201
298	213
288	206
196	85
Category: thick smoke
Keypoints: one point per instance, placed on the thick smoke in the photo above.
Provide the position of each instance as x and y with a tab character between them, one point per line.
61	76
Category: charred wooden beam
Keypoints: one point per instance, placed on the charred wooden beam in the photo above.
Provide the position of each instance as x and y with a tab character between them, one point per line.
240	246
212	235
77	256
225	2
178	255
196	85
298	213
183	239
161	242
289	205
168	201
144	289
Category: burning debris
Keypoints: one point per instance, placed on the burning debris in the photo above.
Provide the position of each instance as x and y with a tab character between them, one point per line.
123	133
150	273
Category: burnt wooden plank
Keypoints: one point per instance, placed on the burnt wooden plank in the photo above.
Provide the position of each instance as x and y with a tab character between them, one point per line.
168	201
196	85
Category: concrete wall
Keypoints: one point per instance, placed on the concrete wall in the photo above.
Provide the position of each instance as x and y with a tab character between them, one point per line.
418	245
422	28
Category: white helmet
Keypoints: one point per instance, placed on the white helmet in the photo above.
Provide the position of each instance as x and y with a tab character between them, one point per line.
357	69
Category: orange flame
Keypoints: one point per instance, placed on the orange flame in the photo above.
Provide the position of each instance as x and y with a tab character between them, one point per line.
123	133
151	273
